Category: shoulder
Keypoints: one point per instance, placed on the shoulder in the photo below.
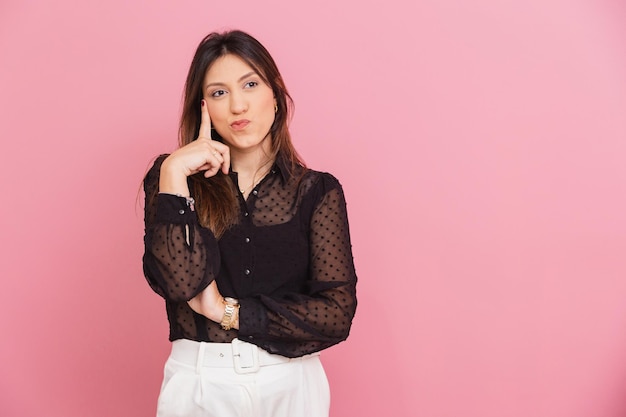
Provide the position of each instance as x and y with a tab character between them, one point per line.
319	186
322	179
303	177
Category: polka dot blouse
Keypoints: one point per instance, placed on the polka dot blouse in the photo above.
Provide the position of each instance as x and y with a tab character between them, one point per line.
288	261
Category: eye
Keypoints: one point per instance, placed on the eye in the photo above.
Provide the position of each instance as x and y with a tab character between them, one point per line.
218	93
251	84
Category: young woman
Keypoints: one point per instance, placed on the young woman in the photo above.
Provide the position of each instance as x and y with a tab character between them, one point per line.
249	248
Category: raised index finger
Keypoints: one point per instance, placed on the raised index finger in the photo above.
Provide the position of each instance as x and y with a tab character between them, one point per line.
205	121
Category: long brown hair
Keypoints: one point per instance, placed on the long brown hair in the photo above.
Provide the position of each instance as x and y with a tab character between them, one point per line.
216	199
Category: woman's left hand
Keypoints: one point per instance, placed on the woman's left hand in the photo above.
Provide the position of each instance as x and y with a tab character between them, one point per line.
209	303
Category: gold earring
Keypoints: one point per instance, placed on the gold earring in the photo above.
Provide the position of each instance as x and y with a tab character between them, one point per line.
275	108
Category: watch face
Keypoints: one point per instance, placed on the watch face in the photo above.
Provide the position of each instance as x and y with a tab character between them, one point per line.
231	301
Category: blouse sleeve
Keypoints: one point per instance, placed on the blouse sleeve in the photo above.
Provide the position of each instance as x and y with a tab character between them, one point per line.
300	323
181	257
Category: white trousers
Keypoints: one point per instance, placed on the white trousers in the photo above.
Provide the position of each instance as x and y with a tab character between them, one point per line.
239	379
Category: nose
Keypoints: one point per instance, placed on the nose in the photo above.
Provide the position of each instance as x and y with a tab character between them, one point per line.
238	103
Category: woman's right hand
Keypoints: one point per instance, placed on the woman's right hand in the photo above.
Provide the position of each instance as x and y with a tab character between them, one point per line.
203	154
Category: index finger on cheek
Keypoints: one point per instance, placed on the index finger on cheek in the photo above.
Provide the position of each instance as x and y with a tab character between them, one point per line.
205	120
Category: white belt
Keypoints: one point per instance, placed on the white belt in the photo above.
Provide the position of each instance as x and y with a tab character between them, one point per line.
243	357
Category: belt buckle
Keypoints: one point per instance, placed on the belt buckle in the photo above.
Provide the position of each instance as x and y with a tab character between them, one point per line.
245	357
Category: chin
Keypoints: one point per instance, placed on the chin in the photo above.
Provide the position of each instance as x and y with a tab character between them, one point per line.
245	141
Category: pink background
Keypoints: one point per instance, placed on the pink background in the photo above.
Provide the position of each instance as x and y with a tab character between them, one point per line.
481	145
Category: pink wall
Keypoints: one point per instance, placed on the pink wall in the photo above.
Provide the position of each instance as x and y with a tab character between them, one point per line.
481	145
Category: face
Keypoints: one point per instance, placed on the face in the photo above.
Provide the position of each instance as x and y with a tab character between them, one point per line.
240	103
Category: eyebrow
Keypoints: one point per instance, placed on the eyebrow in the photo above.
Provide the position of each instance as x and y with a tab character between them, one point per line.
243	77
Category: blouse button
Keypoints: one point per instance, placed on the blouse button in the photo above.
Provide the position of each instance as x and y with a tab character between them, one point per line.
255	192
247	272
181	211
247	240
245	214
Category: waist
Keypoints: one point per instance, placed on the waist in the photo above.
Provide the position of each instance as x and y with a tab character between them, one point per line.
242	356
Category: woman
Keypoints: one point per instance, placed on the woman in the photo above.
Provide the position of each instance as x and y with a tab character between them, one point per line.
248	247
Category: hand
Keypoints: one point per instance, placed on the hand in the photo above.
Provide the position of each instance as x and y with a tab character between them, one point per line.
203	154
209	303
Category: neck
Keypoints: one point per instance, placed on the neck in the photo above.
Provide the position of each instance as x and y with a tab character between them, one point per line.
249	165
249	162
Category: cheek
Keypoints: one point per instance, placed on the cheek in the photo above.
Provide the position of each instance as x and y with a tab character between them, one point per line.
218	120
216	113
268	107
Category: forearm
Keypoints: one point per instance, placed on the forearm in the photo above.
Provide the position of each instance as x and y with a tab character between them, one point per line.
181	257
172	180
211	304
322	317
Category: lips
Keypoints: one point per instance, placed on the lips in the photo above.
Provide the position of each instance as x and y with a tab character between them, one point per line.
239	124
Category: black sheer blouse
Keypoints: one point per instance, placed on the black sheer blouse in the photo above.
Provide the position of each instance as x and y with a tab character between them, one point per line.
288	261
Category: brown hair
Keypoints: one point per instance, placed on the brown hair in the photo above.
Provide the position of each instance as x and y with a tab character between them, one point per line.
216	199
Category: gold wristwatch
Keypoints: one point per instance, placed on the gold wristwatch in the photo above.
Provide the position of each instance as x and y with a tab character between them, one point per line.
232	304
